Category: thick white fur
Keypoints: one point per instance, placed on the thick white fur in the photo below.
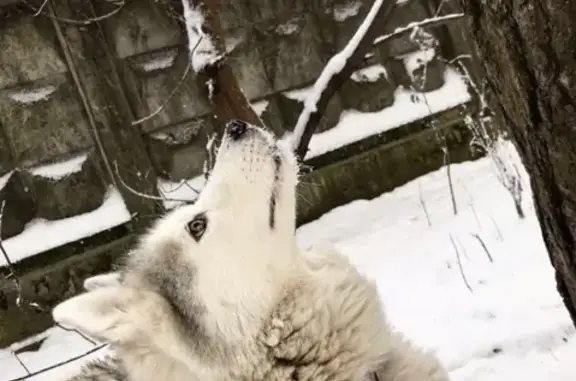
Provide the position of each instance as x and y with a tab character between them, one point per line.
242	303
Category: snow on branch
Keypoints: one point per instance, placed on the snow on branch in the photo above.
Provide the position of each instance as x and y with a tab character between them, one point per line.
208	60
342	65
202	47
337	72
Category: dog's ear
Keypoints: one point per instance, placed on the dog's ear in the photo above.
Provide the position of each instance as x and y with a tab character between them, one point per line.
102	280
102	313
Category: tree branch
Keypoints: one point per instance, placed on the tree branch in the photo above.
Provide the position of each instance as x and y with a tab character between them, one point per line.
337	72
209	62
343	64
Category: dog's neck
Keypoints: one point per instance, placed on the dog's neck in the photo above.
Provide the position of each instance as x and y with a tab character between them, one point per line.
249	287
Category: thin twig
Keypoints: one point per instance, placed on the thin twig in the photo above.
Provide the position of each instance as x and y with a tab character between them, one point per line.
40	9
180	184
423	204
171	95
57	365
460	264
439	8
425	42
497	229
462	247
427	23
483	246
73	70
471	203
447	163
144	195
88	21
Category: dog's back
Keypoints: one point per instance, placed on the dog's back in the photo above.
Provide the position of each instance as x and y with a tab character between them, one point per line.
334	328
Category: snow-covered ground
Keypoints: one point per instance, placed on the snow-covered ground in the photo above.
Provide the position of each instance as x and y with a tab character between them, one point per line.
507	324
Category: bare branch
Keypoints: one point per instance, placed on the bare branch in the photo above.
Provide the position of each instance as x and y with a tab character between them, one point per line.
168	99
460	264
439	9
182	183
41	8
144	195
423	204
39	12
171	95
484	247
447	163
500	236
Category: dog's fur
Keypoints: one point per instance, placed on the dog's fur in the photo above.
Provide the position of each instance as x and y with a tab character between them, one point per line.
241	302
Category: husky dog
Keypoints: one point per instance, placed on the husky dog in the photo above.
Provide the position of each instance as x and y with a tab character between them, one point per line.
219	291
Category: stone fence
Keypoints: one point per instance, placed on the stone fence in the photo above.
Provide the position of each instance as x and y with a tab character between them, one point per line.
95	111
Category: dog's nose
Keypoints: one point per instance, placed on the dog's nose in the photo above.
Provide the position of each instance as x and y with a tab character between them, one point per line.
236	128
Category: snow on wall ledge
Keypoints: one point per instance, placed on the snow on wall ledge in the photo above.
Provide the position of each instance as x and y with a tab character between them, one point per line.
355	126
41	235
62	169
409	106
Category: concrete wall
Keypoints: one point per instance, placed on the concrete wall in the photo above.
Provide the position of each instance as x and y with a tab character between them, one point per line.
70	91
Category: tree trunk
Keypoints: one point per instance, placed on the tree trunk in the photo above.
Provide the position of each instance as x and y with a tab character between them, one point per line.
527	49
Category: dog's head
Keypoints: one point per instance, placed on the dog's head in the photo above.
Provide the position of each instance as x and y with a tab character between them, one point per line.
220	264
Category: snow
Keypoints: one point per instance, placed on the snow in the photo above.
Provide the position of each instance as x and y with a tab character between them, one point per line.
232	42
32	96
355	125
299	94
259	107
160	62
41	235
176	193
62	169
512	325
203	52
4	179
332	68
345	11
370	74
287	29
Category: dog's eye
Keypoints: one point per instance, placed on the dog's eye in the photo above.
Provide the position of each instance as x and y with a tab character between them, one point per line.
197	226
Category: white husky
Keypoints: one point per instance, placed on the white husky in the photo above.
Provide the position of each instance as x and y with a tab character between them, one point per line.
219	291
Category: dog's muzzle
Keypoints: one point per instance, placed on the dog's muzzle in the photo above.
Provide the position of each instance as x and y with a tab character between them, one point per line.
236	129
